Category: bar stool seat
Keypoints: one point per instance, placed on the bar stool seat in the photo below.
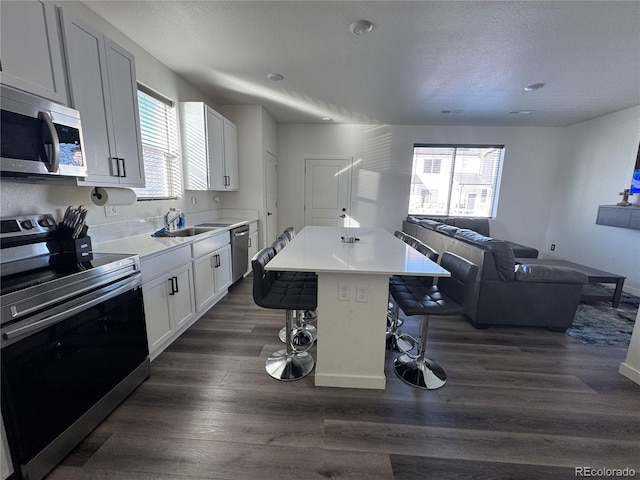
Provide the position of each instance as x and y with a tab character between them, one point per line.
447	298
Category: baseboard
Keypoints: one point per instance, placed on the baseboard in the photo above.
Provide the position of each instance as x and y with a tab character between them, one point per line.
631	373
349	381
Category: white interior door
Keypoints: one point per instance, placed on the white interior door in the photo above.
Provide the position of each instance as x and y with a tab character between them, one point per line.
326	192
272	198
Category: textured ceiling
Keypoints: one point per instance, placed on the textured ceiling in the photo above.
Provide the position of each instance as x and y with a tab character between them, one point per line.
421	58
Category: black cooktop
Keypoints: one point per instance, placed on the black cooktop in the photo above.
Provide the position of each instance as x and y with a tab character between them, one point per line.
28	272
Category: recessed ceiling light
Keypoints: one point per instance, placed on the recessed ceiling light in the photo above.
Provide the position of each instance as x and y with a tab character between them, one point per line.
533	87
275	77
327	119
521	112
451	111
360	27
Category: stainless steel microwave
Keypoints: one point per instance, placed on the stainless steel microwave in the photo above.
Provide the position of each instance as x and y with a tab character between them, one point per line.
39	137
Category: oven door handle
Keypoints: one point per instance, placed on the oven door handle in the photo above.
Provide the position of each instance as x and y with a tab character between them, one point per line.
10	334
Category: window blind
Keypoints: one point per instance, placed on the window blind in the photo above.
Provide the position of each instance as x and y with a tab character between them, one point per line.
159	134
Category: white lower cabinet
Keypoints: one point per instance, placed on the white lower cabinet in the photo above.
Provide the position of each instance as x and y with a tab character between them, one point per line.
212	274
181	284
168	297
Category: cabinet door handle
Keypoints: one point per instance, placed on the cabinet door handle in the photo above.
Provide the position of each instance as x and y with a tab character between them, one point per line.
115	166
249	242
176	280
124	169
172	292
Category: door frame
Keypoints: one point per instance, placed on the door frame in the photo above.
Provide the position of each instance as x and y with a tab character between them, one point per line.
349	170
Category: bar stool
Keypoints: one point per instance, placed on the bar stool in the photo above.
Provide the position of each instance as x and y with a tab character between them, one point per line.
289	232
303	335
447	298
397	340
271	292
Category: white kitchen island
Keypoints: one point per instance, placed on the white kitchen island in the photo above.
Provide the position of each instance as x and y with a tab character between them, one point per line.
353	289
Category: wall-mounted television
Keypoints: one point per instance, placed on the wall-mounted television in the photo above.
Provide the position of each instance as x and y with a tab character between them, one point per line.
635	180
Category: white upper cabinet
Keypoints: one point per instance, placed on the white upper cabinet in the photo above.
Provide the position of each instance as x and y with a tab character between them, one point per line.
231	155
102	80
210	148
30	49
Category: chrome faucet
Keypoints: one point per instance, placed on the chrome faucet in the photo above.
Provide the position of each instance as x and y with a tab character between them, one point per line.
170	219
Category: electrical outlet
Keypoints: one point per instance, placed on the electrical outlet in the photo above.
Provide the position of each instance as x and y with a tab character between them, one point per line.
553	247
362	293
343	292
194	200
110	211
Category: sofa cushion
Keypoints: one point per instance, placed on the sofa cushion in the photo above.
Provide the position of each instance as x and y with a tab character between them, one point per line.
447	230
471	236
430	224
480	225
549	274
522	251
502	252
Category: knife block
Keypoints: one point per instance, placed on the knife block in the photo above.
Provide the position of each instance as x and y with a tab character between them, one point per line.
80	247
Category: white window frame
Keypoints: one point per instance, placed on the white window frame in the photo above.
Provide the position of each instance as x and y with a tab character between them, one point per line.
464	175
160	148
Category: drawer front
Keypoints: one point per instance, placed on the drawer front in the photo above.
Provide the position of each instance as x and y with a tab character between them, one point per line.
163	263
209	244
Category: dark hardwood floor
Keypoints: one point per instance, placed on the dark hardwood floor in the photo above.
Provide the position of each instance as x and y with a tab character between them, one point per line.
519	403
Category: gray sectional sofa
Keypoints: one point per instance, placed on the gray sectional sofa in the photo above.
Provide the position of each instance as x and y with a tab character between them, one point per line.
505	293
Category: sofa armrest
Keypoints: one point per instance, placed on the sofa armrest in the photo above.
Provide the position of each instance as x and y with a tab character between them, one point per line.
549	274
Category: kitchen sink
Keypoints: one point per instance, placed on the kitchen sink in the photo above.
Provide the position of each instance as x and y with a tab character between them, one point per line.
187	232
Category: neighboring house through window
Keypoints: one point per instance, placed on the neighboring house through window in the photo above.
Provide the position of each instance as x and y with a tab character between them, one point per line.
159	133
455	180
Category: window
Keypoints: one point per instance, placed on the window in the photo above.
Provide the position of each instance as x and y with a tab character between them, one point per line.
431	165
159	132
458	180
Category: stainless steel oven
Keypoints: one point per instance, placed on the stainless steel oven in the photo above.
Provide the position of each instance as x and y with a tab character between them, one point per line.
74	342
39	137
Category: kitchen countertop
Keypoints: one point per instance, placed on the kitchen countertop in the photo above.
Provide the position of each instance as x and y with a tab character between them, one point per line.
321	250
145	245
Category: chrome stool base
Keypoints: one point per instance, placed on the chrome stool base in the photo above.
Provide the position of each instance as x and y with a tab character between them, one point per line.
287	367
401	342
425	373
301	336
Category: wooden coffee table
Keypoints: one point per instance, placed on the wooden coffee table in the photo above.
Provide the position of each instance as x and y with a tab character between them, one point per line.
594	275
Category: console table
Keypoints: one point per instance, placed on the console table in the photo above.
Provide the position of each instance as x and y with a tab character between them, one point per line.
353	293
618	216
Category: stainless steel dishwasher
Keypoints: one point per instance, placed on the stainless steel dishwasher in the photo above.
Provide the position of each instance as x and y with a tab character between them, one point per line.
239	247
239	251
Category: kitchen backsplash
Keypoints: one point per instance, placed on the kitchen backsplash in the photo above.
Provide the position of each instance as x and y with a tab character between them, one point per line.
127	228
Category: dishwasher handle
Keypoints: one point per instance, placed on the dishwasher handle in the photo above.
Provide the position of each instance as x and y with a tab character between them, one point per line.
241	233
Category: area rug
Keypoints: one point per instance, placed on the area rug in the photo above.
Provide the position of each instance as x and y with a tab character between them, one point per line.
597	323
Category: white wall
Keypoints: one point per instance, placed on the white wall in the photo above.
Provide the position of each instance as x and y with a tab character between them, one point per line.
28	197
598	158
382	178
